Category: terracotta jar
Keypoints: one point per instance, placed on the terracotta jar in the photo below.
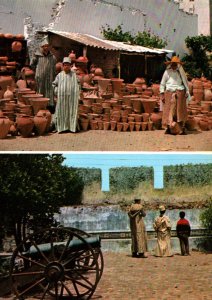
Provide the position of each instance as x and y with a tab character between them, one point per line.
150	125
113	125
25	125
155	88
137	126
8	93
207	95
102	85
119	126
145	117
16	46
40	123
84	123
125	126
191	123
116	85
156	118
21	83
46	113
136	103
5	124
38	104
148	105
131	126
203	124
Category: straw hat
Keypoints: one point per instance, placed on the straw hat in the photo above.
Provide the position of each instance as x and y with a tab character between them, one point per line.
162	208
175	59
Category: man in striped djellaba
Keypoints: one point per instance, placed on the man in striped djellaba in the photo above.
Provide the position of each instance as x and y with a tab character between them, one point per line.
67	90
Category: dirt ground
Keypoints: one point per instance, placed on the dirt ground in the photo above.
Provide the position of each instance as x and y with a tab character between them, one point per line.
171	278
100	140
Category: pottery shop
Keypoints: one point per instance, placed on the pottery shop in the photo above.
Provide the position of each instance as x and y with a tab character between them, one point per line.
116	59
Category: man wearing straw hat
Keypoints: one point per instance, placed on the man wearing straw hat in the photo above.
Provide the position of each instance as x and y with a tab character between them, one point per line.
174	94
44	63
67	89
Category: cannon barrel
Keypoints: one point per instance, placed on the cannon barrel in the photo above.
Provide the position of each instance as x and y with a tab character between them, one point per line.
74	245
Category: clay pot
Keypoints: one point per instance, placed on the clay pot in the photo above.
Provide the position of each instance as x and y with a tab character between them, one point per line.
138	118
175	128
143	126
106	125
102	85
84	123
113	125
148	105
155	89
72	56
8	93
145	117
25	110
38	104
40	123
139	80
203	124
136	103
93	124
46	113
150	125
191	123
137	126
125	126
156	118
198	94
100	124
13	129
119	126
25	125
16	46
131	126
5	124
8	35
116	85
21	84
207	95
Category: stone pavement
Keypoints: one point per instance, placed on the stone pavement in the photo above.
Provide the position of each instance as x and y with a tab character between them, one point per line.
177	277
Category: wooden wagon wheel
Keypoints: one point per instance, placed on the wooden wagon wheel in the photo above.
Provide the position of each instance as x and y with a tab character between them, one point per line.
59	262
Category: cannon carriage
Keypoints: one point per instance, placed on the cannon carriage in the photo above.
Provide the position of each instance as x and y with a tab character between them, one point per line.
63	263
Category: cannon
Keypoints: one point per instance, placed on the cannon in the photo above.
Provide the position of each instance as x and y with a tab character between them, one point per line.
57	263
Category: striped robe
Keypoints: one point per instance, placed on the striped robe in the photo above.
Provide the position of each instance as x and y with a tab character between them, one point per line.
45	73
66	88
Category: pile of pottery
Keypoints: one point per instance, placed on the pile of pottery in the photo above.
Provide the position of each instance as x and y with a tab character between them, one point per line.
23	112
113	105
200	106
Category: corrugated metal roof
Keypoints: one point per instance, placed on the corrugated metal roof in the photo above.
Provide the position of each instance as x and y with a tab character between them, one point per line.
92	41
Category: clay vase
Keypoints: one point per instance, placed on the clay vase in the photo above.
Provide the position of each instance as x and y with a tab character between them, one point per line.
93	124
150	125
136	103
145	117
38	104
156	89
100	124
8	93
40	123
5	124
116	86
203	124
46	113
191	123
25	125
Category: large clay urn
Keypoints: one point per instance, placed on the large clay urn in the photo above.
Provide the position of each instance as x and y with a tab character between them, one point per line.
25	125
46	113
40	123
5	124
116	86
38	104
156	118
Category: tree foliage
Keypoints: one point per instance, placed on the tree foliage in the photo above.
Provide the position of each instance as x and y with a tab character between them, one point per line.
197	62
145	38
206	216
33	187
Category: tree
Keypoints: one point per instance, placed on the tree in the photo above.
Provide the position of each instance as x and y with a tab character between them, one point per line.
33	187
197	62
145	38
206	216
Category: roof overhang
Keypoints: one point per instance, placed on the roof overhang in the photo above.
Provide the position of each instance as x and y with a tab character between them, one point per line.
91	41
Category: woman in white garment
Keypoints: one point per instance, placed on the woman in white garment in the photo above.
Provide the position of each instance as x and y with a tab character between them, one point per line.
162	226
67	89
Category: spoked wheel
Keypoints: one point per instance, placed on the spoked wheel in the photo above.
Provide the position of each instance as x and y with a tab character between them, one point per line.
60	262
